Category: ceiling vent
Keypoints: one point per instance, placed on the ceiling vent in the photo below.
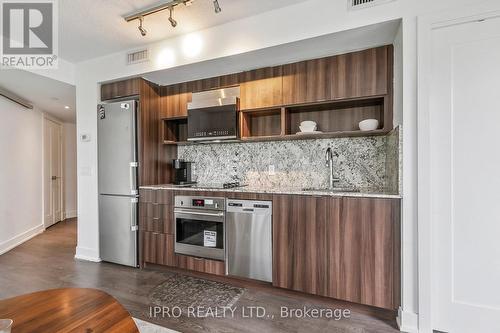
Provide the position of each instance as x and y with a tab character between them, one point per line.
137	57
359	4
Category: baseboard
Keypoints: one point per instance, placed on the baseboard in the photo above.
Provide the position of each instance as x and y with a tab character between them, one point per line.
86	254
407	321
70	214
21	238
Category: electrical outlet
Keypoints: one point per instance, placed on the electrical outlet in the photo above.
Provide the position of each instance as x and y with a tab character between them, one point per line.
272	171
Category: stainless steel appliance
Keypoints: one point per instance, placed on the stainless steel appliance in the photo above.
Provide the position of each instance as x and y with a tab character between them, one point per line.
183	172
199	226
117	173
213	115
249	239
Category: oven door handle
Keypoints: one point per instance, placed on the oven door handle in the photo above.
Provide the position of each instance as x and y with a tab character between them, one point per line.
220	214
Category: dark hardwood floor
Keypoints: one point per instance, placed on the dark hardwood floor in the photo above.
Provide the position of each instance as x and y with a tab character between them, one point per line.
47	261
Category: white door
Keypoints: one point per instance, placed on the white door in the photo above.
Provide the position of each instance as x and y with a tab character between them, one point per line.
464	121
52	172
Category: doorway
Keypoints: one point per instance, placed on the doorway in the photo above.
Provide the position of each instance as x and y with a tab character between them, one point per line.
458	174
53	171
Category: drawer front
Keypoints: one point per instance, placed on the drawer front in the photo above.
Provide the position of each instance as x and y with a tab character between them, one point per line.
149	209
165	197
147	195
200	264
158	248
151	224
162	222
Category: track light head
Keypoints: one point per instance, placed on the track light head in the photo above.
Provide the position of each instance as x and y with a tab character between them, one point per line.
143	31
217	7
171	19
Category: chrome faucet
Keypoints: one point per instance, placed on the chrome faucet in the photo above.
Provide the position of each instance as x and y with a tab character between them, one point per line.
329	162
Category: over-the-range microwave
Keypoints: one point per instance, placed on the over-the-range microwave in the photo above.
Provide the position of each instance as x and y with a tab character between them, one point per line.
213	115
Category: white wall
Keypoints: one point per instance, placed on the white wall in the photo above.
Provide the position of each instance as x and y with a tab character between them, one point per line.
304	20
70	181
64	73
21	215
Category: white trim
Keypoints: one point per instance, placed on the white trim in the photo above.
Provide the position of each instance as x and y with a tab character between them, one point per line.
426	24
86	254
407	321
52	118
62	166
21	238
70	214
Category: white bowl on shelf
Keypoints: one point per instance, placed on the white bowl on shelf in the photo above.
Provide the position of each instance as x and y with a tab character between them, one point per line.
308	126
368	124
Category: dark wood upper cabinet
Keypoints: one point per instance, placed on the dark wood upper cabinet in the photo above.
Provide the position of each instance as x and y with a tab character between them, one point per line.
358	74
370	252
305	243
120	89
217	82
363	73
261	88
174	100
308	81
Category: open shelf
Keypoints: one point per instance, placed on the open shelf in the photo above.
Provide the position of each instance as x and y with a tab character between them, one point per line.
261	123
175	131
338	118
335	116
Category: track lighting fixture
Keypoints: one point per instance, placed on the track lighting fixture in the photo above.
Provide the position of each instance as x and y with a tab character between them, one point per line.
170	5
217	7
141	29
171	19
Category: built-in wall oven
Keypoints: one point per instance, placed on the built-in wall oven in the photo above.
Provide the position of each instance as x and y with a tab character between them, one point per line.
200	226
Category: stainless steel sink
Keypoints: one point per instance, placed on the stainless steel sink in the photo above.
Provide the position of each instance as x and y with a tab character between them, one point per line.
335	189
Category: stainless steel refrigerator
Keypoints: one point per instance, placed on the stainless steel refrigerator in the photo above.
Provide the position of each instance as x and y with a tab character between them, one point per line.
118	172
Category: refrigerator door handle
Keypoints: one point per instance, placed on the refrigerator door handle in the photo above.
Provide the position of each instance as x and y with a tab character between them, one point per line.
132	177
133	214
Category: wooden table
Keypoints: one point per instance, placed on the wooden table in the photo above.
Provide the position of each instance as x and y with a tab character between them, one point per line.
67	310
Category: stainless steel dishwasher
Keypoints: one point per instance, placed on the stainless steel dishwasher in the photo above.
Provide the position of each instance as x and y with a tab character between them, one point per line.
249	251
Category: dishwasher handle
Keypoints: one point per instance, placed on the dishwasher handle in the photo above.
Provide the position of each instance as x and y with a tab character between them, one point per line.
249	207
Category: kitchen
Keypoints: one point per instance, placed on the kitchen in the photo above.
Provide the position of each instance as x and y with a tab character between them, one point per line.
287	174
250	166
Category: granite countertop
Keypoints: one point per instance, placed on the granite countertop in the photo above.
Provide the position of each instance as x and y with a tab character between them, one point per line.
365	193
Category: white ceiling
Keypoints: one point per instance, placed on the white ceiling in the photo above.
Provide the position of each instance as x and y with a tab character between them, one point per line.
46	94
93	28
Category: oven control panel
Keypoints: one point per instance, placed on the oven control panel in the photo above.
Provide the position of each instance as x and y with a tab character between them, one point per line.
200	202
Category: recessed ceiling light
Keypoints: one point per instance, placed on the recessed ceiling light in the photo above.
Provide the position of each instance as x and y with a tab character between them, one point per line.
66	107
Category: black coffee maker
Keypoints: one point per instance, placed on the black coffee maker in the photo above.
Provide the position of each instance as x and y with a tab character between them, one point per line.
182	172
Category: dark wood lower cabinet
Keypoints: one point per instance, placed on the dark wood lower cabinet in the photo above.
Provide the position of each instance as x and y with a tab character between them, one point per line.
339	247
305	243
158	248
345	248
370	252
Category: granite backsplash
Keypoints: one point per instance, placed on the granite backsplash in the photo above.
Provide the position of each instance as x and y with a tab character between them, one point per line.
363	162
